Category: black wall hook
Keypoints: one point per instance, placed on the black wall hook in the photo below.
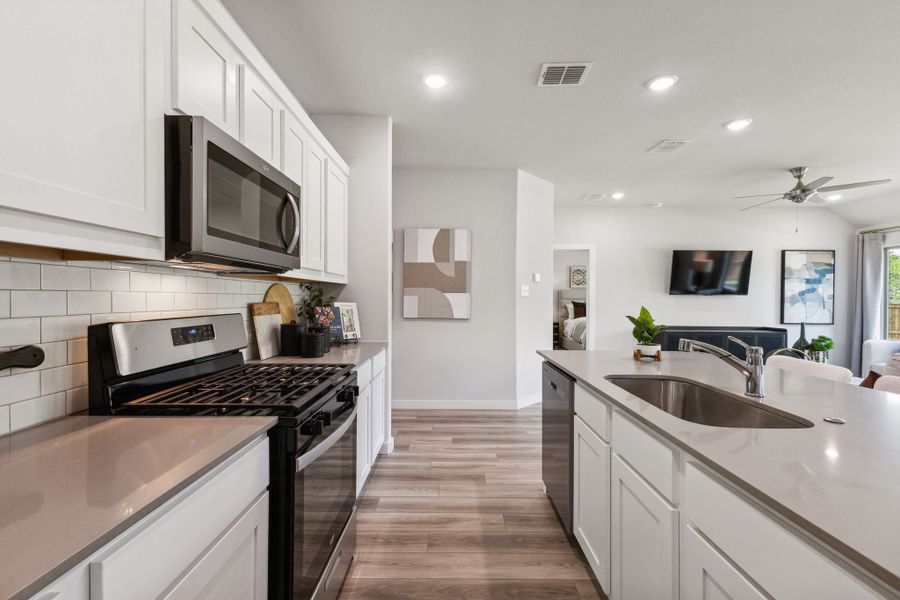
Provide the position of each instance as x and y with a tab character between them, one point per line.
27	357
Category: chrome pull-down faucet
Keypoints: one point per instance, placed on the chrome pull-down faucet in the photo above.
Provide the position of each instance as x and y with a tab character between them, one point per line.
752	368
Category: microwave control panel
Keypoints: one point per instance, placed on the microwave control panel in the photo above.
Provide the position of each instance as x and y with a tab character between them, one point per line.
193	334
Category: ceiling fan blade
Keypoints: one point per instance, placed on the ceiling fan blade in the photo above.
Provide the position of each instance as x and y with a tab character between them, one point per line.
760	204
816	199
757	196
814	185
850	186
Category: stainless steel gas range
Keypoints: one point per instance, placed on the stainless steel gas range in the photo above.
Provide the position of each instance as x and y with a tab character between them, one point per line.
194	366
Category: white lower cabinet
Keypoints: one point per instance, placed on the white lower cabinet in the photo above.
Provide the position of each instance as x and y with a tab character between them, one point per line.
707	575
590	499
208	542
370	416
363	462
376	417
644	538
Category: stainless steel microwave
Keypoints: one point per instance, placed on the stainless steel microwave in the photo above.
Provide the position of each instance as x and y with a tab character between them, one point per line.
227	209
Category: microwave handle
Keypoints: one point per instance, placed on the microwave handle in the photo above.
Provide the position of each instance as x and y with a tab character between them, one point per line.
296	210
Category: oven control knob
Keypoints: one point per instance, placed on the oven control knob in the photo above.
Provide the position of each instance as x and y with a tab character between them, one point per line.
348	394
326	418
313	427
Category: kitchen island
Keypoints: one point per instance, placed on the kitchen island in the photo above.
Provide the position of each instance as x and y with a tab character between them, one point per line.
835	488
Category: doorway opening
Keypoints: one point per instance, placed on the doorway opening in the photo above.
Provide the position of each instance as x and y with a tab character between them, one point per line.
573	302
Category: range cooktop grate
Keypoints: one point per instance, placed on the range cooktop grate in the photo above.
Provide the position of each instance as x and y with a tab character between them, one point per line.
254	389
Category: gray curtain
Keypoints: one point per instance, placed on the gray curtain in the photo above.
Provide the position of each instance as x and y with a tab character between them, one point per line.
868	296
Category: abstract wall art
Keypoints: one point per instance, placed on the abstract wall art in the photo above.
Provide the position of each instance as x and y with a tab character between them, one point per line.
437	274
578	276
807	286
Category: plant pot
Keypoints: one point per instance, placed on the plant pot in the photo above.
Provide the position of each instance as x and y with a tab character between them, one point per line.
819	356
648	350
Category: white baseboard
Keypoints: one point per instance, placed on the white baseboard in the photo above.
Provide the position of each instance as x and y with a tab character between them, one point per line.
528	401
388	446
454	404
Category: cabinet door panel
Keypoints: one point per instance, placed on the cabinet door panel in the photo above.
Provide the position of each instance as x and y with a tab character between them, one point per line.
363	416
336	222
377	417
707	575
206	65
82	111
644	539
590	502
312	244
235	568
260	117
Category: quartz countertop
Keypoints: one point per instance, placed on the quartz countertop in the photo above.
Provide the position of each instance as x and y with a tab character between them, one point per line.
345	354
70	486
839	483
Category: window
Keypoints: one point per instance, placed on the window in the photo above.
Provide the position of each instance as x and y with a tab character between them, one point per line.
893	293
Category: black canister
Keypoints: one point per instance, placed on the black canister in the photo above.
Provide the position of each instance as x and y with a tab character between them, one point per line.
291	339
326	331
312	344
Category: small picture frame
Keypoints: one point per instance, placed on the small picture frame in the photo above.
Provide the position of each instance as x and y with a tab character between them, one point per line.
578	276
349	320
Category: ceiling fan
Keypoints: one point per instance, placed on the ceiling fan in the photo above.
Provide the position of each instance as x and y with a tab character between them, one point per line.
801	192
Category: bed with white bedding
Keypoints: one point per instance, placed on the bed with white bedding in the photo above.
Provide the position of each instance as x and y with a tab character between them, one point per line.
572	328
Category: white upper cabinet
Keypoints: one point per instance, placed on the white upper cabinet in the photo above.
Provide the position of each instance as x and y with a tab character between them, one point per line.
85	91
312	213
261	119
206	69
336	198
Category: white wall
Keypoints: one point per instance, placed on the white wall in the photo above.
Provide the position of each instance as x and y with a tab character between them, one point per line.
534	254
459	364
366	143
633	260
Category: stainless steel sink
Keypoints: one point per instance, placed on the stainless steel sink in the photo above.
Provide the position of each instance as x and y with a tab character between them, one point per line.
706	405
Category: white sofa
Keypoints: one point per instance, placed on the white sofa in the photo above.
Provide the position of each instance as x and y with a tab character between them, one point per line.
876	353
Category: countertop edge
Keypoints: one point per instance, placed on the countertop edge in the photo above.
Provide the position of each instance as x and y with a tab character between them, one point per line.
843	551
67	565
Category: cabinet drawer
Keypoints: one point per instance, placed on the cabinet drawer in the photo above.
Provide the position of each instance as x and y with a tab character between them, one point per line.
364	374
647	455
593	411
785	565
143	566
378	362
706	574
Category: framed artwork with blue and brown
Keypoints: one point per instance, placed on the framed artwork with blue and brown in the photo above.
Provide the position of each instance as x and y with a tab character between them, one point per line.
807	287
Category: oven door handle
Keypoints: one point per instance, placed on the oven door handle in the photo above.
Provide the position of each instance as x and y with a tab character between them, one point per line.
304	460
295	236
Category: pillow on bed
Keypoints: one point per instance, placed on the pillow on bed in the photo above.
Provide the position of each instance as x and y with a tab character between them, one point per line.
892	366
571	310
580	309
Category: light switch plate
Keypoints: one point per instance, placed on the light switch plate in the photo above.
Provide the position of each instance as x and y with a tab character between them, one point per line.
524	291
536	277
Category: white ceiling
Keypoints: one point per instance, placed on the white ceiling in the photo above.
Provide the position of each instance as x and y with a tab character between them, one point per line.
821	79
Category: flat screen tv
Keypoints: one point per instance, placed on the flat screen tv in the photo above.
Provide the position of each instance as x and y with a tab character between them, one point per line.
711	272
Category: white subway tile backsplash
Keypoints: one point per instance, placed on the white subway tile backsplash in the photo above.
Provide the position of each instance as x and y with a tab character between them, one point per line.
34	303
85	303
65	378
38	410
172	283
52	303
160	301
54	329
129	301
145	282
110	280
59	277
76	351
19	332
76	400
20	276
16	388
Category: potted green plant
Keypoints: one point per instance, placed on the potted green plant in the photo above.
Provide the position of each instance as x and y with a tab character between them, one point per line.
819	347
315	308
645	332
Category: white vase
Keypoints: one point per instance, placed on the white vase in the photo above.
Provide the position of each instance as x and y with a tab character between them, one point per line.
648	350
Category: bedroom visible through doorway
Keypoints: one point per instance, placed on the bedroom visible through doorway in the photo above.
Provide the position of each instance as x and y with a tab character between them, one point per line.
571	297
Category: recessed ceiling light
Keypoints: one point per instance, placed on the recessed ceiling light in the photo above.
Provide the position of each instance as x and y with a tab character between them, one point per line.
738	124
662	83
833	197
435	81
617	195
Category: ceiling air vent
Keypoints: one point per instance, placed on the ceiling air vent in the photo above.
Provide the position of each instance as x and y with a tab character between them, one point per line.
668	145
563	73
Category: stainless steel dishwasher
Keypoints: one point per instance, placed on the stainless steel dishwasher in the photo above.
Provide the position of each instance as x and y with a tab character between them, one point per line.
557	423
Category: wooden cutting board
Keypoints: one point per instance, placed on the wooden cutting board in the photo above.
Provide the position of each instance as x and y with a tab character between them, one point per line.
267	322
282	296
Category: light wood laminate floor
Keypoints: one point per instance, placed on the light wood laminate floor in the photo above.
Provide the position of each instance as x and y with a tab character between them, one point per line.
458	512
